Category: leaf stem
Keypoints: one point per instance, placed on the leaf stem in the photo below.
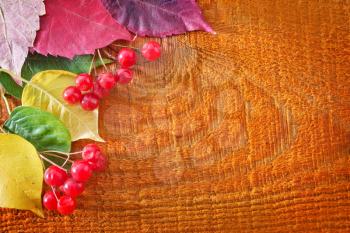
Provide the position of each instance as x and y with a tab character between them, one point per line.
2	130
8	109
100	57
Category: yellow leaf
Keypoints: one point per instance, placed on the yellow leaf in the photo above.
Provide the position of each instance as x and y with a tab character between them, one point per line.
21	174
45	91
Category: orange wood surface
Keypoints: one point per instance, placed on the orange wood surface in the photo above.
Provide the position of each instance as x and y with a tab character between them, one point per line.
244	131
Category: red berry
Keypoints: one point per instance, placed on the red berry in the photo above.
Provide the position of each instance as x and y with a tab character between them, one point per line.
55	176
84	82
72	188
106	80
89	102
72	95
124	76
100	164
151	50
81	171
66	205
90	153
49	200
99	91
126	57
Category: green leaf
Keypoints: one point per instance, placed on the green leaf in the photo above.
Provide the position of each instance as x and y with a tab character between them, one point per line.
10	86
21	174
37	62
42	129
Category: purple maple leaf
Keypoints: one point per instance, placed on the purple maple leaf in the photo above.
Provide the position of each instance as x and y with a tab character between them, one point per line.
158	18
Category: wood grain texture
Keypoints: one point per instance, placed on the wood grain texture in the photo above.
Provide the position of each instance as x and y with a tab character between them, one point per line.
244	131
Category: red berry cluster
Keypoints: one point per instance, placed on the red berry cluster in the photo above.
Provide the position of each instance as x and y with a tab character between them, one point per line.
66	187
88	92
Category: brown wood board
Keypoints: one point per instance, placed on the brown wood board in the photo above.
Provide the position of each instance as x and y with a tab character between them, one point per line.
244	131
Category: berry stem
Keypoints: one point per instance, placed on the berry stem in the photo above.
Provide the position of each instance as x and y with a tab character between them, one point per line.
100	57
92	63
110	56
66	158
54	192
63	153
53	163
125	46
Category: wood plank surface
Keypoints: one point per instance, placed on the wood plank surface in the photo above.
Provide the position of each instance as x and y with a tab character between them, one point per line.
244	131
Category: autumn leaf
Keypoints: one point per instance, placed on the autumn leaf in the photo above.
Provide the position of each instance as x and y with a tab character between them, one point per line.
158	18
45	91
19	21
21	174
76	27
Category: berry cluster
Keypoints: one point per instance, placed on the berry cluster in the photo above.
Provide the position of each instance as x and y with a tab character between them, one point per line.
88	92
66	187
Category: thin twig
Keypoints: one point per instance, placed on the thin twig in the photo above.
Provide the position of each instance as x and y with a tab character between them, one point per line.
100	57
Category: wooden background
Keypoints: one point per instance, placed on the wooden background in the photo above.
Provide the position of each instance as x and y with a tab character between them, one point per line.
244	131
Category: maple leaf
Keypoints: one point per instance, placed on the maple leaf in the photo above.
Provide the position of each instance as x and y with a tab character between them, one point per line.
76	27
158	18
19	21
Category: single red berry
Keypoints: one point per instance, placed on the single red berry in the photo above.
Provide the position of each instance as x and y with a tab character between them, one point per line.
124	76
55	176
72	188
72	95
49	200
99	91
106	80
116	78
89	102
151	50
127	57
90	152
100	164
66	205
84	82
81	171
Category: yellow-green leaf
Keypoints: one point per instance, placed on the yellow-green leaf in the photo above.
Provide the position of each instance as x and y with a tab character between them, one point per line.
45	91
21	174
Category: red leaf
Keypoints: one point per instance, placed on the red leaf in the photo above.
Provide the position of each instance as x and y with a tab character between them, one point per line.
75	27
158	18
